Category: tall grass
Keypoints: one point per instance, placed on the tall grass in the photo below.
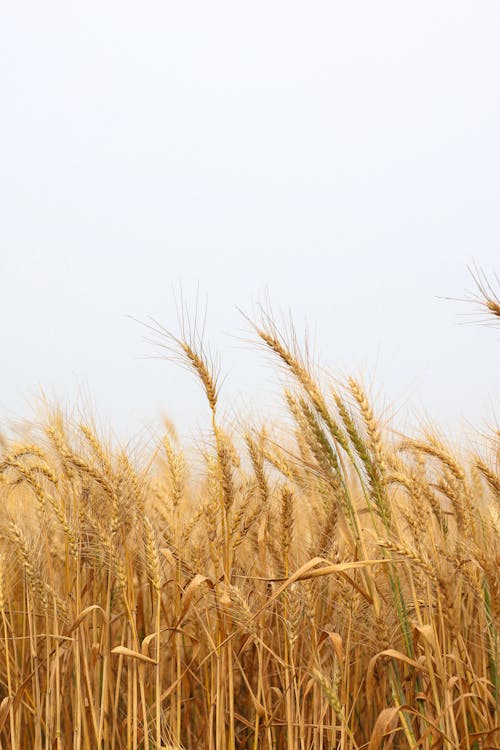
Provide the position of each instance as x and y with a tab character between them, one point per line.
326	584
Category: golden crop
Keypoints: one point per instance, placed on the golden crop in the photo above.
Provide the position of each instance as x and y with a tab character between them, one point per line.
323	584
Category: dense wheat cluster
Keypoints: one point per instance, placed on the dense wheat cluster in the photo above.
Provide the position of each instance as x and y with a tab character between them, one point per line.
322	584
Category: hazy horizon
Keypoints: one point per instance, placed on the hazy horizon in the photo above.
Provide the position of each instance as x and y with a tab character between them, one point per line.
341	159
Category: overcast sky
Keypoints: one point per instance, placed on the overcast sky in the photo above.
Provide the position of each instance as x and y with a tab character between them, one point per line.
343	157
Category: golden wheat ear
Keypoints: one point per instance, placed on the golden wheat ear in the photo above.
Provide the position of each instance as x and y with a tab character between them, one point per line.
188	349
486	297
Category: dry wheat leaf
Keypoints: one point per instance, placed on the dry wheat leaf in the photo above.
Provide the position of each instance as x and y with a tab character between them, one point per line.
124	651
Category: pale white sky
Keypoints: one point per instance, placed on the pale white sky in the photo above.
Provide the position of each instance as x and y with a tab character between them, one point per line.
343	156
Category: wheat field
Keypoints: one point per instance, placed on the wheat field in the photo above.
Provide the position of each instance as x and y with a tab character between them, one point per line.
320	583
